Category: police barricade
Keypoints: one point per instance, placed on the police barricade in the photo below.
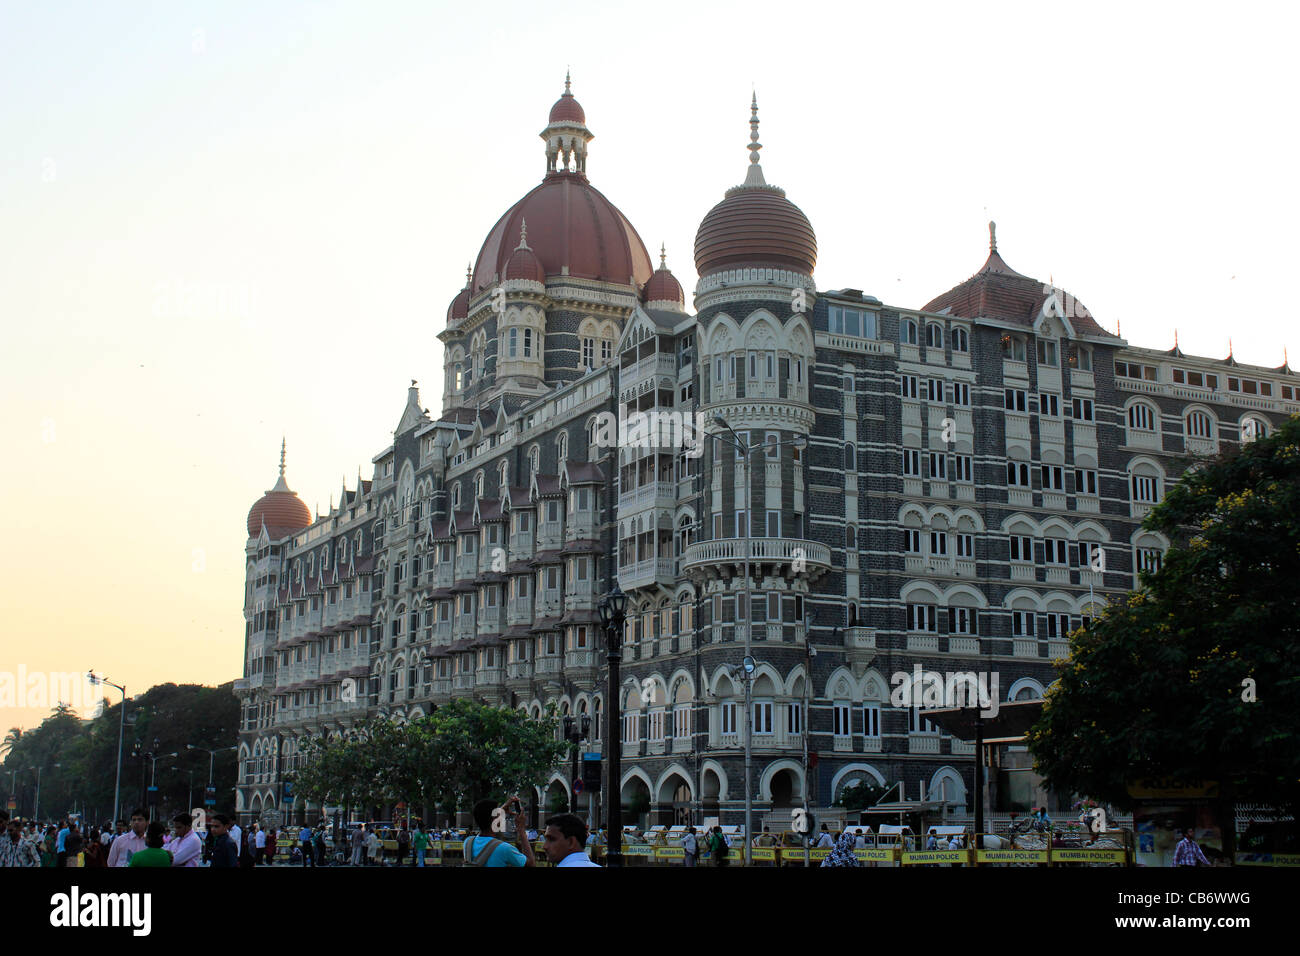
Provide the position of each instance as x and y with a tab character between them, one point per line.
1070	854
936	857
1268	859
1011	856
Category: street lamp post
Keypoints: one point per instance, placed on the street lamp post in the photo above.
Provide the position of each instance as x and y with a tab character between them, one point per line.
576	729
212	762
121	732
746	450
36	804
613	612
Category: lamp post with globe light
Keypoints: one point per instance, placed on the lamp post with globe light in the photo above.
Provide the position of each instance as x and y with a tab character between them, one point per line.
613	612
746	451
121	732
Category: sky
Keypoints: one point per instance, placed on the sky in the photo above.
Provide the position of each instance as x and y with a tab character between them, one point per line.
223	223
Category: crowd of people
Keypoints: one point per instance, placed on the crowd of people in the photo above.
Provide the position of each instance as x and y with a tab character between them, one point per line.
137	842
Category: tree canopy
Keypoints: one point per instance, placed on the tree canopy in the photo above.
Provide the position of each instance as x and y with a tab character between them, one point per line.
1196	675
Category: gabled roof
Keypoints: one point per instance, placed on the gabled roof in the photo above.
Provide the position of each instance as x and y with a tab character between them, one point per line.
545	486
583	473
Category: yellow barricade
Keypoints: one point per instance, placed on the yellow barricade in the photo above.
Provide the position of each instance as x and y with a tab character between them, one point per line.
878	854
1268	859
1010	856
922	857
669	854
819	853
1086	855
760	854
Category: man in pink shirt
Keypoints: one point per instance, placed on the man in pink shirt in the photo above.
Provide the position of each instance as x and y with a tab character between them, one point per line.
186	848
132	841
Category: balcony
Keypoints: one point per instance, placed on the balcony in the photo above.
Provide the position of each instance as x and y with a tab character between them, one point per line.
653	494
1024	647
871	745
1017	426
860	638
580	662
646	574
463	681
519	611
1085	434
519	671
923	743
1022	572
965	747
550	536
1201	446
549	666
801	556
923	642
489	676
1137	438
963	645
1058	649
1051	430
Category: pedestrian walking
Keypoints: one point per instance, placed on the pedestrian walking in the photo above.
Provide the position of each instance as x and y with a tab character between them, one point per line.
96	853
719	847
62	846
1188	852
824	840
305	845
318	842
185	847
259	844
486	849
225	854
73	844
421	843
15	850
566	835
690	847
403	843
374	847
272	841
842	853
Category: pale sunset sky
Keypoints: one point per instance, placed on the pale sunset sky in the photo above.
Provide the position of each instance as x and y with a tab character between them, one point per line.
227	222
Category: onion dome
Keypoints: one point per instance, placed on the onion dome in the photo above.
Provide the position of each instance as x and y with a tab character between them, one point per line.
523	262
566	108
459	307
755	226
663	290
998	291
282	511
573	229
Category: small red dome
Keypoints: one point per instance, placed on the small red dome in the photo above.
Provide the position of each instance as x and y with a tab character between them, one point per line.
524	264
567	110
459	307
756	227
283	511
663	287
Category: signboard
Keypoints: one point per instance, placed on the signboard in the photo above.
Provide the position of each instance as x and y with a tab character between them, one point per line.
920	857
764	853
670	853
13	803
1088	856
639	849
1010	856
1268	859
591	755
877	854
577	786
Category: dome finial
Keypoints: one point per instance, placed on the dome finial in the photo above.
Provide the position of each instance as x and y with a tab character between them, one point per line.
281	456
469	273
993	236
755	175
566	79
663	256
523	234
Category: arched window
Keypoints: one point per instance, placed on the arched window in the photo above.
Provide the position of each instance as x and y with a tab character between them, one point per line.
960	340
907	332
455	495
1200	425
534	460
513	349
934	336
851	537
562	447
1141	417
1253	428
850	458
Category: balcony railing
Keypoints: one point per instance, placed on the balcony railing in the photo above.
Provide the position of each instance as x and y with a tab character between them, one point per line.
810	555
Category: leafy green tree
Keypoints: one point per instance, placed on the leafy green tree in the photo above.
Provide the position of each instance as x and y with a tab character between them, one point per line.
1196	675
859	796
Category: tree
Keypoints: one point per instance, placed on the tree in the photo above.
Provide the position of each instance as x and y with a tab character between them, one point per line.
14	735
1194	676
859	796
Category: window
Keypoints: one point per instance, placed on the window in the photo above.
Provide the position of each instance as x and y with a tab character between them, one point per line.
961	620
907	332
1200	425
1016	401
912	462
513	339
934	390
1058	626
1056	551
1018	474
1140	417
938	466
728	713
773	449
1022	623
965	544
939	543
934	336
1022	548
1053	478
922	617
1136	370
528	343
1146	488
1253	428
842	717
842	321
960	340
961	394
794	717
1047	352
871	720
1090	556
774	524
1082	409
907	386
606	350
1013	347
1148	559
1081	358
1049	404
588	352
682	721
963	468
912	540
762	717
850	459
1085	481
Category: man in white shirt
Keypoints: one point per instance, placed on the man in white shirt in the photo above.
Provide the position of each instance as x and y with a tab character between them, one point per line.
566	835
824	841
859	839
235	836
186	848
119	854
260	840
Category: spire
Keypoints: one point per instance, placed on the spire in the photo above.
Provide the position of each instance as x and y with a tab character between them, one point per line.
663	256
469	273
993	236
755	175
281	484
523	234
566	80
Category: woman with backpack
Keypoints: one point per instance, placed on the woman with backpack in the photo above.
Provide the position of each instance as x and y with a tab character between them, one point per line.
718	847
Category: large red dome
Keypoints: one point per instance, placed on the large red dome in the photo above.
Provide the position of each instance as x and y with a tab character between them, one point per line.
570	224
281	510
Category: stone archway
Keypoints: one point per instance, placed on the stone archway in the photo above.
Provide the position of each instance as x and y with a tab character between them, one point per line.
673	801
636	800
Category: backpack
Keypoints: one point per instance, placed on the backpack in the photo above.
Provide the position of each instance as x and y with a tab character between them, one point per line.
483	855
721	845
